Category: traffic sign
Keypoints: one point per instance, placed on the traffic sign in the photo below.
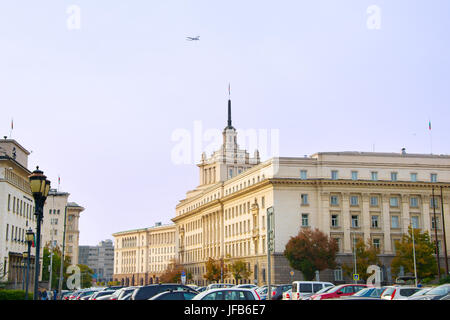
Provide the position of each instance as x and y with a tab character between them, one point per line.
355	276
183	277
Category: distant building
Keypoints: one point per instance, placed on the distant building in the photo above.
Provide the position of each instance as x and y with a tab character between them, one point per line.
53	224
142	255
99	258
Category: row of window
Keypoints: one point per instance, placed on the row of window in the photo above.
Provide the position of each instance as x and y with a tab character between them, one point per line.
244	208
20	207
244	184
17	234
375	221
374	176
394	201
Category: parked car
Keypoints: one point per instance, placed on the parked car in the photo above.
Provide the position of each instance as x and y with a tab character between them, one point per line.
114	288
326	289
435	294
303	289
146	292
420	293
102	293
201	289
219	285
118	294
246	286
399	292
228	294
279	289
370	292
262	291
77	293
126	297
86	294
193	286
287	295
175	295
339	291
65	295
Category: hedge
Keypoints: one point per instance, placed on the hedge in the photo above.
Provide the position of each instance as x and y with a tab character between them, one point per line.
14	295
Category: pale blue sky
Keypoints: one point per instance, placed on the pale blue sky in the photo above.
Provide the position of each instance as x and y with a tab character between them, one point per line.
99	105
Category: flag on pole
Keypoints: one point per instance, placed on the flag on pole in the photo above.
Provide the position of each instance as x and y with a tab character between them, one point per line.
429	125
59	180
229	89
12	124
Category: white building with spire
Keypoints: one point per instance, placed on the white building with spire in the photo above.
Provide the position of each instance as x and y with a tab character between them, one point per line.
372	196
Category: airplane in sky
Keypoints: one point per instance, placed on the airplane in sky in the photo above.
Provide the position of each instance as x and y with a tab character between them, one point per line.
193	38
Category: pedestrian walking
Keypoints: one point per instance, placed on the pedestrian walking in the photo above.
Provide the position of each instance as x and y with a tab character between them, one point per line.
44	295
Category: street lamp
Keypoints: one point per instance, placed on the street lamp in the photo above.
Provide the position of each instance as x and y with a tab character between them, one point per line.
40	187
29	237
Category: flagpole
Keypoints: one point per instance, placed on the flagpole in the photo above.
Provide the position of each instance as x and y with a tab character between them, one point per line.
12	127
431	137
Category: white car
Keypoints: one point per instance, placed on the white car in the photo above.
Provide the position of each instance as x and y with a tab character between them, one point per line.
246	286
228	294
304	289
399	292
219	285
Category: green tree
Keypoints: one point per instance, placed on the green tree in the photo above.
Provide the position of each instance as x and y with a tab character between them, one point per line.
424	250
239	270
310	251
56	263
366	255
86	276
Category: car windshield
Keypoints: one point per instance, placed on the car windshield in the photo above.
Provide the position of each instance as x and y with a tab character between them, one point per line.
443	290
421	292
363	292
334	289
324	289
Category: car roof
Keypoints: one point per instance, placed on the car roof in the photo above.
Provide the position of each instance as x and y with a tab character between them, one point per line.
204	293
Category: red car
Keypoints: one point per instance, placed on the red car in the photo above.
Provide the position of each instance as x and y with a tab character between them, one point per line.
339	291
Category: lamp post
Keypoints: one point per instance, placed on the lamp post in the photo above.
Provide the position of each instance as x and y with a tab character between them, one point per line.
29	236
61	276
40	187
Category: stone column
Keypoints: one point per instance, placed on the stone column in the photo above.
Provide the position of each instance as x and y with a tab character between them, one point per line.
385	211
447	222
426	219
406	218
347	248
324	221
365	223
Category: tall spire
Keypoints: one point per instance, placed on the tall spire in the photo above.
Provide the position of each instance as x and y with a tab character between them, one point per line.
229	125
229	113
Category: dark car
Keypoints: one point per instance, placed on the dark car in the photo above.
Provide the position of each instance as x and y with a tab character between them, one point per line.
277	292
146	292
175	295
435	293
